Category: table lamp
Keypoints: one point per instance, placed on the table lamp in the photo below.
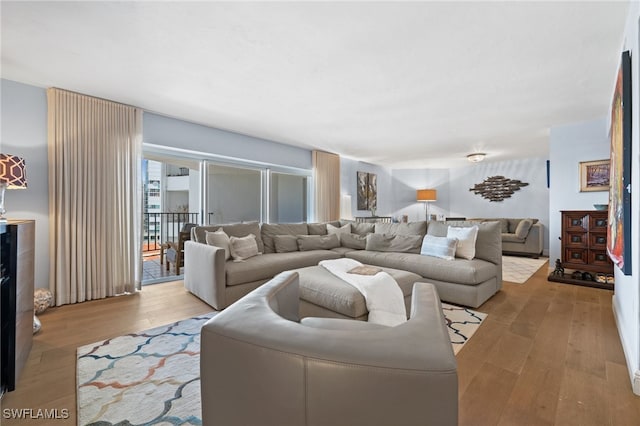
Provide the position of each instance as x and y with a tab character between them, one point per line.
12	176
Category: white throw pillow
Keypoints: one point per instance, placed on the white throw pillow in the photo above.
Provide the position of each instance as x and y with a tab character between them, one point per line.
442	247
220	239
346	229
243	248
466	236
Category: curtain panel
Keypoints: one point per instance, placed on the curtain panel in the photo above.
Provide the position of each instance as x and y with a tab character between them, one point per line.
326	168
94	197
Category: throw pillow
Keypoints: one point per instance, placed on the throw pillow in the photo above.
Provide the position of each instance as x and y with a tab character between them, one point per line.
395	243
354	241
317	242
220	239
285	243
334	230
442	247
243	248
522	230
466	247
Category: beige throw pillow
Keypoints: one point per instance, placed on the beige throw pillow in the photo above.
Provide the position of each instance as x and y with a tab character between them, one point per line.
442	247
285	243
220	239
317	242
243	248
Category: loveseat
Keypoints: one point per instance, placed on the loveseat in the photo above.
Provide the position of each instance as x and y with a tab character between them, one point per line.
520	236
218	280
265	366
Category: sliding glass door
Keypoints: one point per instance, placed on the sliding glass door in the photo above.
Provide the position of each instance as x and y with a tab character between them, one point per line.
233	194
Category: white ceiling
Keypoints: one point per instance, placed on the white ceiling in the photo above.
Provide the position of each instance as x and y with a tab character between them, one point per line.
405	85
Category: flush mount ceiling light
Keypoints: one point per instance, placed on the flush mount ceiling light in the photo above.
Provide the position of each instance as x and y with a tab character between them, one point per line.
476	157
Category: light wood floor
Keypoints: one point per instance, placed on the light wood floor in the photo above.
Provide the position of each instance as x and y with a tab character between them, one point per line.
547	354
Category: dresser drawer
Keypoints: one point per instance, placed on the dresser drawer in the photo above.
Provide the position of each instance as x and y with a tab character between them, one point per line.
576	239
598	241
599	257
598	223
577	256
576	222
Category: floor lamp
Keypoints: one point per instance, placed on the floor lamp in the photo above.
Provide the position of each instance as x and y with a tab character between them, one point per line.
426	196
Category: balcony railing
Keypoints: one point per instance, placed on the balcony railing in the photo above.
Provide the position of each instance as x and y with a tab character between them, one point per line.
162	227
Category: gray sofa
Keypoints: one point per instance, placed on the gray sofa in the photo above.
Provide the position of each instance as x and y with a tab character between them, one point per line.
220	282
265	366
518	237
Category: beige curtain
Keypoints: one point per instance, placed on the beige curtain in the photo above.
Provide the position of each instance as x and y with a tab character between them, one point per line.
326	168
94	197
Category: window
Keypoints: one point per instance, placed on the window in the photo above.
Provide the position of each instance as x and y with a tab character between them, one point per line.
234	194
288	198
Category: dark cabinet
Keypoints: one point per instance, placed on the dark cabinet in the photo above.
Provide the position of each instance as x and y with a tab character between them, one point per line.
584	241
17	255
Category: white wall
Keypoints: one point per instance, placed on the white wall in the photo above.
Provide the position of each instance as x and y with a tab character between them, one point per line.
626	299
568	146
406	182
24	133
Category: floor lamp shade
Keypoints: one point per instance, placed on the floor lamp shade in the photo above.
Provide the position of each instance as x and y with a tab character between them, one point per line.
426	195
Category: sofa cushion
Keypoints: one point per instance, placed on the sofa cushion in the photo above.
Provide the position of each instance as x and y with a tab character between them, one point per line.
394	243
360	228
353	241
320	287
220	239
243	248
460	271
411	228
442	247
271	229
321	228
317	242
466	236
285	243
268	265
522	230
198	233
338	230
512	238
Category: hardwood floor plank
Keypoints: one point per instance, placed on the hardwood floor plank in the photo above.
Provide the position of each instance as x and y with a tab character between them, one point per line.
583	400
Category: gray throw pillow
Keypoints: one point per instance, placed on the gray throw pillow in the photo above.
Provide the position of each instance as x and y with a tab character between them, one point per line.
317	242
395	243
522	230
354	241
285	243
442	247
333	230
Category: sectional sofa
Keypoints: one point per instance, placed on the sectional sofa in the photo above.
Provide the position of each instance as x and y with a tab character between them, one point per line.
219	281
520	236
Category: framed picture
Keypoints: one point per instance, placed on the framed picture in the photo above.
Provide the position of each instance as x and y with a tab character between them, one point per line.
367	191
594	175
619	223
361	190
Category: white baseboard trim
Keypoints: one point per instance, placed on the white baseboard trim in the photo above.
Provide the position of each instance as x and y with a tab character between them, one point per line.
634	375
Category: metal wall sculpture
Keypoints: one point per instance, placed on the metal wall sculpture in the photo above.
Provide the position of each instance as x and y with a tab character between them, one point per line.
497	188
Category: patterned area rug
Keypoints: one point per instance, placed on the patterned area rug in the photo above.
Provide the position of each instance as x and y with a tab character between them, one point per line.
519	269
153	377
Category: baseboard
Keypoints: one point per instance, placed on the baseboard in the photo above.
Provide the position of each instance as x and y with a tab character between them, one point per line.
545	252
634	375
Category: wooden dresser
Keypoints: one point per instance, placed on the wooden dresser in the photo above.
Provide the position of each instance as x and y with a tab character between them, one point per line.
584	246
18	256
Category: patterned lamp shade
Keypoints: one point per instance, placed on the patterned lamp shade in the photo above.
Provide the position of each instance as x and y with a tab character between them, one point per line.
12	171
